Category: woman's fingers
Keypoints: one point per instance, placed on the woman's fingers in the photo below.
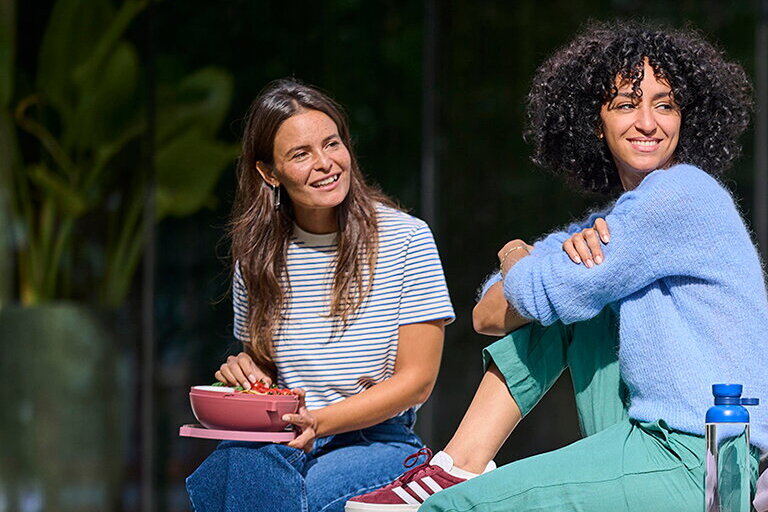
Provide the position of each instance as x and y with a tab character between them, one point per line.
251	371
302	397
305	422
586	246
583	249
571	251
593	242
602	229
304	441
240	370
228	378
233	365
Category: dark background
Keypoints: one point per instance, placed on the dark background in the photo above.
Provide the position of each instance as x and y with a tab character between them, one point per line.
371	57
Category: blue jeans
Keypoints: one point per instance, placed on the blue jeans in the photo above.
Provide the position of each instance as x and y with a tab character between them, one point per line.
249	477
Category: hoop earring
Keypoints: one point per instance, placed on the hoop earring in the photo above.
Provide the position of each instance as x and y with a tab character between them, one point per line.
276	196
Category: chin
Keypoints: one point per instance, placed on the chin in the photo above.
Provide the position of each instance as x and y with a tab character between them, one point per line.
645	168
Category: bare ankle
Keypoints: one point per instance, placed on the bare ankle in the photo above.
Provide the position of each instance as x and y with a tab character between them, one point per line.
467	461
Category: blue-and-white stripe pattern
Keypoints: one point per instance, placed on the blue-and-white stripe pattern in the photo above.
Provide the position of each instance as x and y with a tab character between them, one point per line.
311	352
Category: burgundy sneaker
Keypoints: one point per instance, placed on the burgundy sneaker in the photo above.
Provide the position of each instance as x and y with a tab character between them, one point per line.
410	489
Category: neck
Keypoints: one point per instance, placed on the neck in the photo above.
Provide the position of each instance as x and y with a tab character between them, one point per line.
317	221
631	179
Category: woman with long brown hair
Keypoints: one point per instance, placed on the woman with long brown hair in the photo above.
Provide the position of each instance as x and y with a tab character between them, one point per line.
337	294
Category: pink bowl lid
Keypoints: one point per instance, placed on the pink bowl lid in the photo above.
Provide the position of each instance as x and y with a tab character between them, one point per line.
201	432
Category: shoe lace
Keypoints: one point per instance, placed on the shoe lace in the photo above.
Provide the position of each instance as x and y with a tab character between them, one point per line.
417	471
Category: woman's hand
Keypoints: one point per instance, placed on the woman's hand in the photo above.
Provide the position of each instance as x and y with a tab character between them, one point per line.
511	253
240	370
585	246
305	423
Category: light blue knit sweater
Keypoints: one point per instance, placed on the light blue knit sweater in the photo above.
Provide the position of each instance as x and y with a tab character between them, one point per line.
686	279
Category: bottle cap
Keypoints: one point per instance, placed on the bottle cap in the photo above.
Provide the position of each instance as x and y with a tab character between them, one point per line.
729	406
727	394
727	389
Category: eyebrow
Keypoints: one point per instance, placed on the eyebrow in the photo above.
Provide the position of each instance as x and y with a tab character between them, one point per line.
656	96
306	146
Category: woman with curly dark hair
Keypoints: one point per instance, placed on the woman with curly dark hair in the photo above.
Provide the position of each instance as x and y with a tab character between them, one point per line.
653	115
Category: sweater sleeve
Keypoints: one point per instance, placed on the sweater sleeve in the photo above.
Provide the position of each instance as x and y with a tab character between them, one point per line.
662	228
553	242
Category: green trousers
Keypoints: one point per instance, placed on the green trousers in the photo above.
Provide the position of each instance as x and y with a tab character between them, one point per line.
621	465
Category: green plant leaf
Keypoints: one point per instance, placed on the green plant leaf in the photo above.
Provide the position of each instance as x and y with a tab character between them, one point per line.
108	107
187	170
74	29
70	200
89	71
202	100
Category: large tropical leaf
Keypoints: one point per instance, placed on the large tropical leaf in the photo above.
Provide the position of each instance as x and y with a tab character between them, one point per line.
89	71
187	170
75	27
201	100
108	107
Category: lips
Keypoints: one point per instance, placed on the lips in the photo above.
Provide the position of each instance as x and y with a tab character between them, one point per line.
330	180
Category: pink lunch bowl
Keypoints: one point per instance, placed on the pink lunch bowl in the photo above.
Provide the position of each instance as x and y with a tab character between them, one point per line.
222	408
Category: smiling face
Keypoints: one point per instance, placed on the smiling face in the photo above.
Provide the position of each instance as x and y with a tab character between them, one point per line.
313	166
641	133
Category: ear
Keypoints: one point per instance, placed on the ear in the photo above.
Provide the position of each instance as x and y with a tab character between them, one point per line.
267	174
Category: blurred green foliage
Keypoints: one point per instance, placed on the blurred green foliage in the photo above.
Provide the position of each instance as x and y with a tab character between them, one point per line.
79	195
7	146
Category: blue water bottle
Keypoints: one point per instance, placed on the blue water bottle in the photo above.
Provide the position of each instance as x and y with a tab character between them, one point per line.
729	468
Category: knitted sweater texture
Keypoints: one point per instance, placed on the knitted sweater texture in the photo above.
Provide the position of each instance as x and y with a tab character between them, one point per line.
687	282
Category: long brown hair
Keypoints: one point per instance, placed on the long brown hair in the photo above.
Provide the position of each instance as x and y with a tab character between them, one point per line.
260	232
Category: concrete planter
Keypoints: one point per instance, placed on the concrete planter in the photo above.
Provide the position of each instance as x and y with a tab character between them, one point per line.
64	410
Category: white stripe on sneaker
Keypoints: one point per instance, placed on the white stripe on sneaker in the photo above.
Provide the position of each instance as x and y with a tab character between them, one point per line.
421	493
434	486
403	495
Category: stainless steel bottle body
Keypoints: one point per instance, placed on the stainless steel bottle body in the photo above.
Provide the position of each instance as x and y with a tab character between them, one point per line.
728	480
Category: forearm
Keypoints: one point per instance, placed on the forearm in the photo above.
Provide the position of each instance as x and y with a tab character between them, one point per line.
494	316
374	405
419	349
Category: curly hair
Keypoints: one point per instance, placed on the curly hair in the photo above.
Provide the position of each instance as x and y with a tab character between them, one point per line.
569	89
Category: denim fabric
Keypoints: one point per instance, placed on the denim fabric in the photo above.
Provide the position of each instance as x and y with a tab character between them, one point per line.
249	477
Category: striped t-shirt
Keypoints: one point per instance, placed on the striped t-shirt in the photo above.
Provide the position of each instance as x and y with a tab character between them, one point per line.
330	365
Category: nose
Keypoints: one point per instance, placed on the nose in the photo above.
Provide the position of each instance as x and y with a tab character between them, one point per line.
323	162
645	122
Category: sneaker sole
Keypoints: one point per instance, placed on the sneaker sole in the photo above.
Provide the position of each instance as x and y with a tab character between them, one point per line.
356	506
